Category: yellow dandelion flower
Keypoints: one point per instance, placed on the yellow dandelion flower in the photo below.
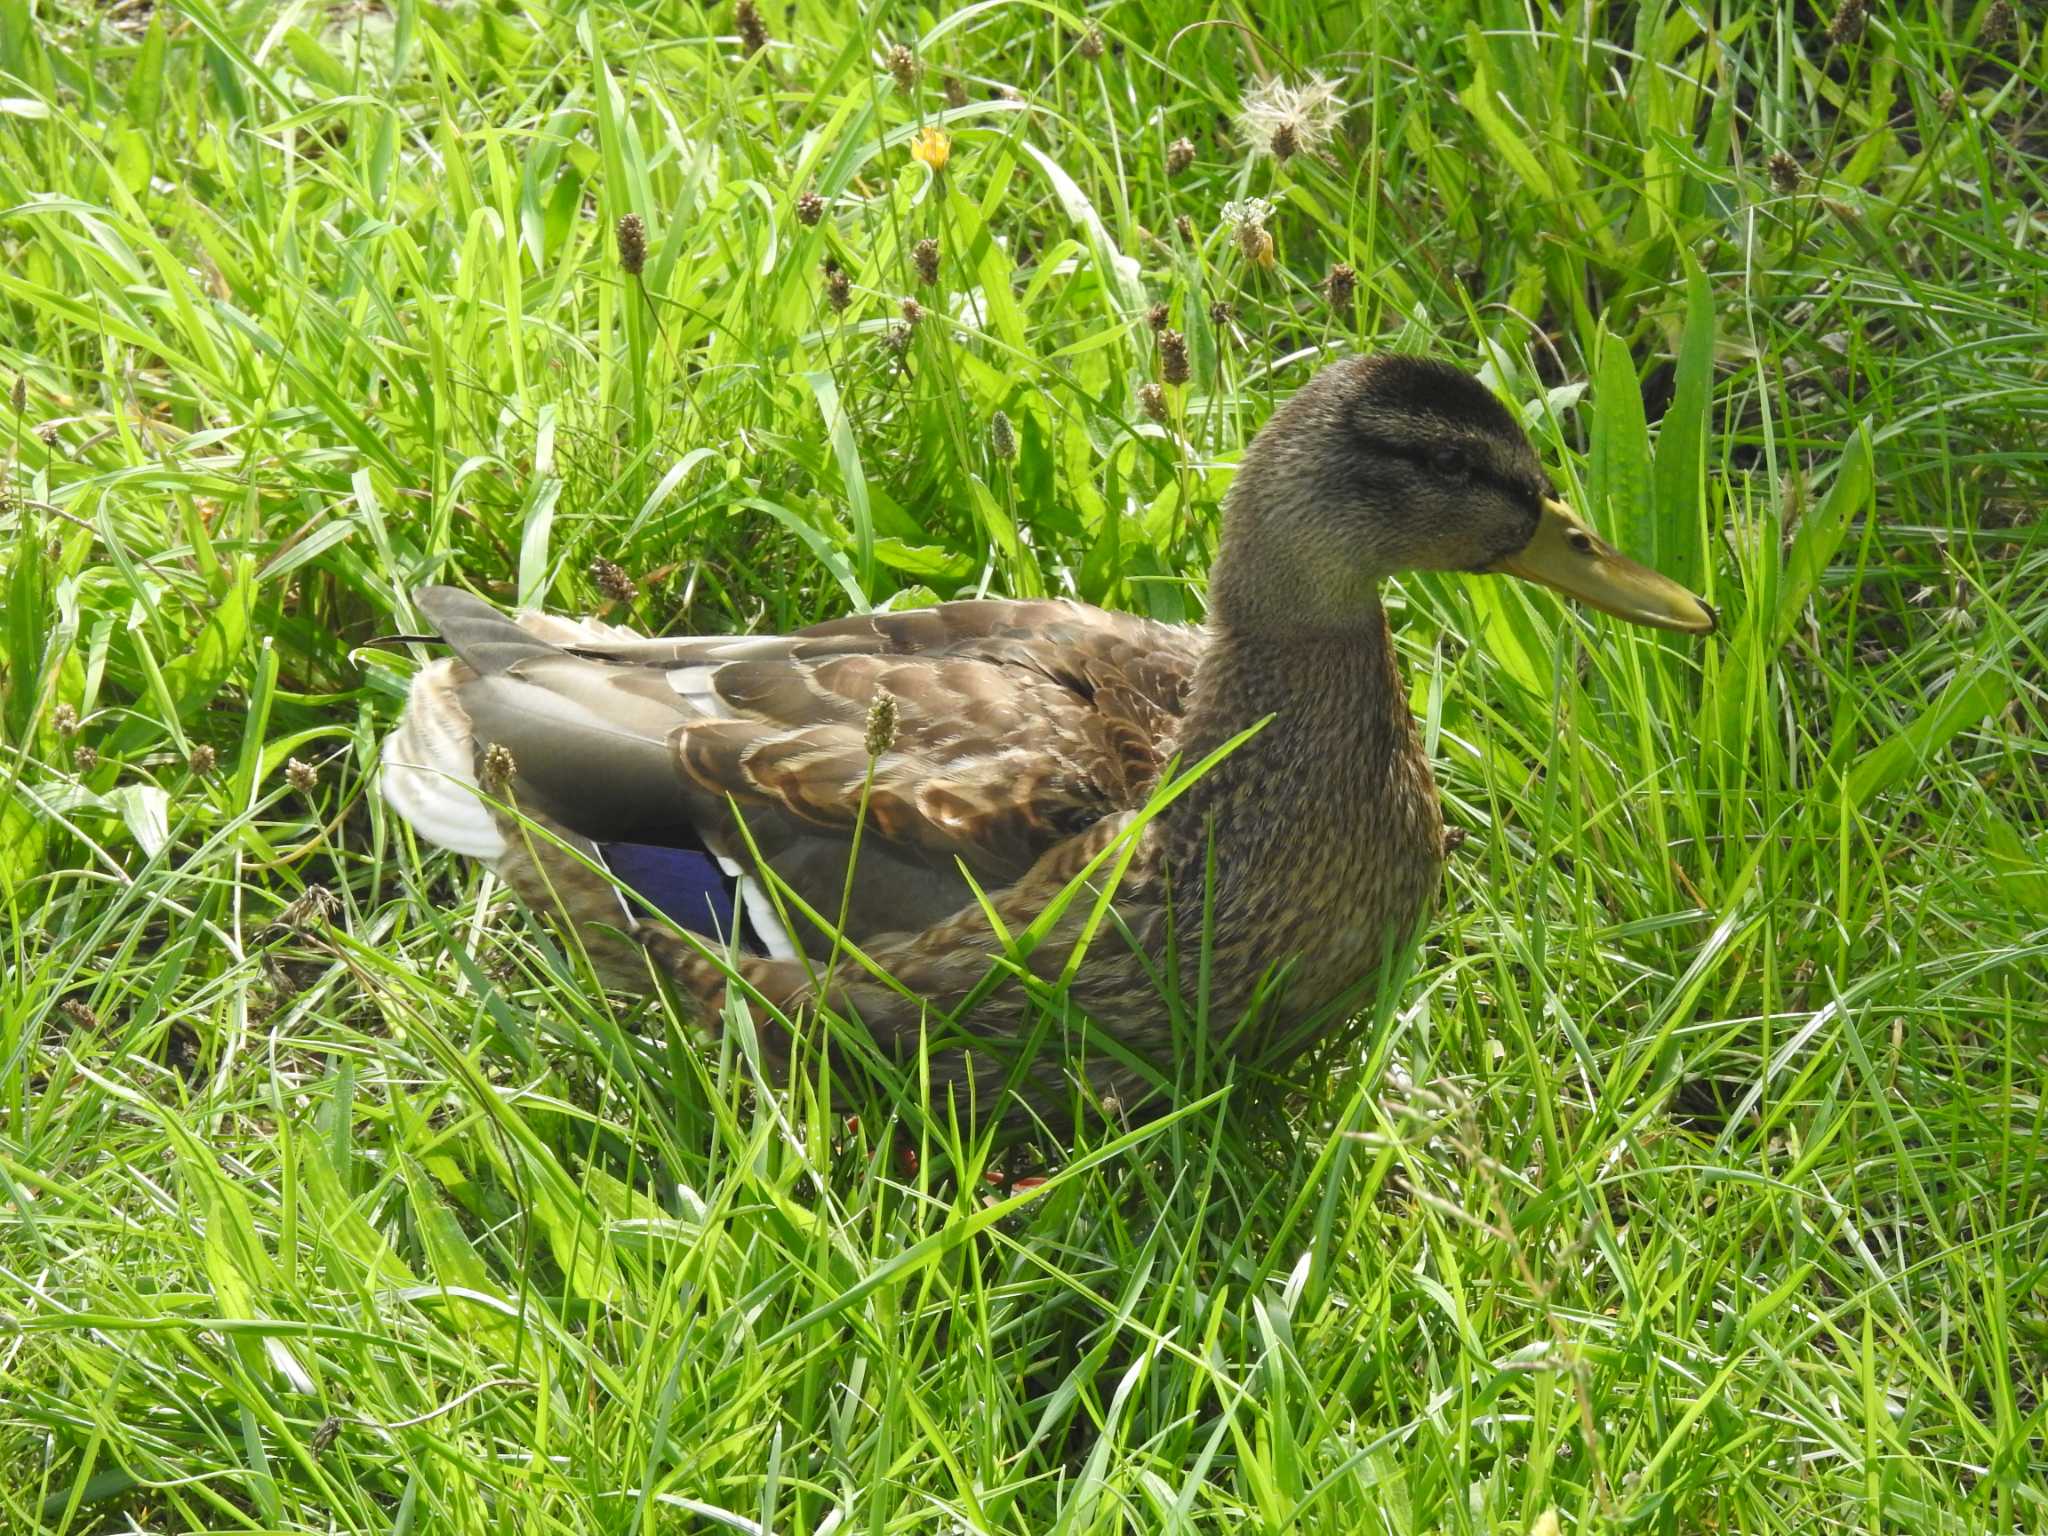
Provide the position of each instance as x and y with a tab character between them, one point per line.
932	146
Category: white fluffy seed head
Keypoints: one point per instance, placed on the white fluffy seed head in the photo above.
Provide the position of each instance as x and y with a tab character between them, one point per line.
1302	116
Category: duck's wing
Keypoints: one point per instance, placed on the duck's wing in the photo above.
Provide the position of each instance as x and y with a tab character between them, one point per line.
1132	673
1017	725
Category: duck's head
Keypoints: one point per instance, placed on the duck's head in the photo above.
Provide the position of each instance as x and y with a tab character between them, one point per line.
1390	463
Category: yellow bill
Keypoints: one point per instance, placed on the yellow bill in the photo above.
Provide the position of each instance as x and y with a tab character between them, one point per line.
1567	555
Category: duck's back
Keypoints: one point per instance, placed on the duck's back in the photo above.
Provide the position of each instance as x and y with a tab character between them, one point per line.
1016	725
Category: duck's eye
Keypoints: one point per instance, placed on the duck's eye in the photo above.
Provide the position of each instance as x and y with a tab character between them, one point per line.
1452	464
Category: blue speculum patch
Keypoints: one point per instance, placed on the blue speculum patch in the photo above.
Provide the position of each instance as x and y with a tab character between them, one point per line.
686	885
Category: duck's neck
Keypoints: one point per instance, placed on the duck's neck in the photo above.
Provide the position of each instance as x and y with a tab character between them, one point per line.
1332	799
1335	696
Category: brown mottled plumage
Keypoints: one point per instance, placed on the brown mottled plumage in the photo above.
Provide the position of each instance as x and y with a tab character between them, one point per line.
1028	736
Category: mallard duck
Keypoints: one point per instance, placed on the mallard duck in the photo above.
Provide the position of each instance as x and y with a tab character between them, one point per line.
605	776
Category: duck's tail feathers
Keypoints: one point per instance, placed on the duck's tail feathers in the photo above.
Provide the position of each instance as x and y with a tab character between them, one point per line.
489	641
429	774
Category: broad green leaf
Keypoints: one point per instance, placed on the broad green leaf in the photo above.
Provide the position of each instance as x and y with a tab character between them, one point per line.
145	90
1507	138
1681	440
22	843
853	477
929	560
1507	632
131	158
145	808
1974	692
1121	283
536	531
314	60
1618	470
1820	535
2019	872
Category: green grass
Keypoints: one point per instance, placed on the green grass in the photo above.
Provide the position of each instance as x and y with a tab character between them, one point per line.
1692	1180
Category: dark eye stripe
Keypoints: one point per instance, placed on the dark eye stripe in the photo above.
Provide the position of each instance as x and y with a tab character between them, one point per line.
1478	474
